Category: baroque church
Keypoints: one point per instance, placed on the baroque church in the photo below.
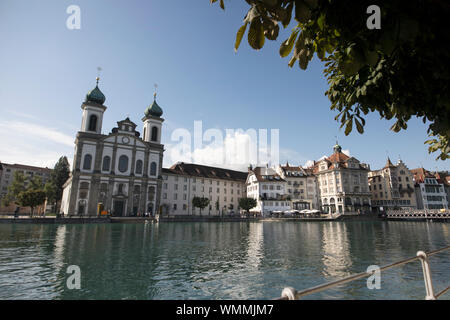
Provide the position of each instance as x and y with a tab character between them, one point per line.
119	172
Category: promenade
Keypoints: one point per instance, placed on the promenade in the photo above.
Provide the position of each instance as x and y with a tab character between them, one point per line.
175	218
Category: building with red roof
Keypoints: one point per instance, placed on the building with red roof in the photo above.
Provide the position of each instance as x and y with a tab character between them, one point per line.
342	183
429	189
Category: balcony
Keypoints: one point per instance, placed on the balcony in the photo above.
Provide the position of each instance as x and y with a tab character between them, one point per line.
278	198
355	193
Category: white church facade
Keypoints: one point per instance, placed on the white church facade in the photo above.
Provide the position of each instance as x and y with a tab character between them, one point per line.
119	172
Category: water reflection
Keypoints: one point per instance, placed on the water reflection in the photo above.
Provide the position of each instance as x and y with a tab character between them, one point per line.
215	260
336	258
255	245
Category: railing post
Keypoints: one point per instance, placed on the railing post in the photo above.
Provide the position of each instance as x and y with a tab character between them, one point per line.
426	275
289	293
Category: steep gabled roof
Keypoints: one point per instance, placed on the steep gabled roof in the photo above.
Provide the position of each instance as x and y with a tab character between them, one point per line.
388	164
338	157
420	174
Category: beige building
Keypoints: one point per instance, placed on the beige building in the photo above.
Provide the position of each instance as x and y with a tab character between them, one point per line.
342	183
301	186
392	187
7	175
184	181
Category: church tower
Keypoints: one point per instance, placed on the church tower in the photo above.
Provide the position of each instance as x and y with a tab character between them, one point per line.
93	110
153	123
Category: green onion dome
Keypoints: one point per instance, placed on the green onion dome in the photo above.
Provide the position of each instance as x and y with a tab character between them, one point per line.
154	110
95	95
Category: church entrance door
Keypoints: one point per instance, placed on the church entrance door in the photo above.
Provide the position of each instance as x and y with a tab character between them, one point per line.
150	208
118	208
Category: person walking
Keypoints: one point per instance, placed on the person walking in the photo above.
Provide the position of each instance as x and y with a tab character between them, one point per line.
16	212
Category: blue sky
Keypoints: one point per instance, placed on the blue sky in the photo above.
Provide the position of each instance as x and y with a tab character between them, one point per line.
186	47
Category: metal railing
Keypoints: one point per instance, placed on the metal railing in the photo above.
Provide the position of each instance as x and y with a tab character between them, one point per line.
290	293
418	214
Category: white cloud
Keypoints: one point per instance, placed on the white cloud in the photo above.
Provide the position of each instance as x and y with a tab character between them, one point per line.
346	151
33	144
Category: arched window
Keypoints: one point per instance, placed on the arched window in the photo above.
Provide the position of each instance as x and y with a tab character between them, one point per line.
123	163
84	185
153	169
151	193
84	189
154	134
143	136
87	162
139	167
93	123
106	163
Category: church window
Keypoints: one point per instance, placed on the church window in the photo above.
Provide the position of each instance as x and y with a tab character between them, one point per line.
151	193
84	185
139	167
154	134
106	163
87	162
93	123
120	189
153	169
123	163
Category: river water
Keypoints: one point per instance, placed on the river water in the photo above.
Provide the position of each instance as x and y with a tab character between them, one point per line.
235	260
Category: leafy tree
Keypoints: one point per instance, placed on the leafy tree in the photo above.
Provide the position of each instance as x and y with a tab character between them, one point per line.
15	188
247	203
50	190
399	70
200	202
31	198
6	200
35	183
59	176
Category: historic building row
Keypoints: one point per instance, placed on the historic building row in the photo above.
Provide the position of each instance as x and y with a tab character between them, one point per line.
121	172
334	184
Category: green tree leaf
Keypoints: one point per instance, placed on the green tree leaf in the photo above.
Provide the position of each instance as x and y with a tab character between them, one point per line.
239	36
256	34
359	126
288	44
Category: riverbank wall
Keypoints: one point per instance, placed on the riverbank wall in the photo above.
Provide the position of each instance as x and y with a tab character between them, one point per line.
52	220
